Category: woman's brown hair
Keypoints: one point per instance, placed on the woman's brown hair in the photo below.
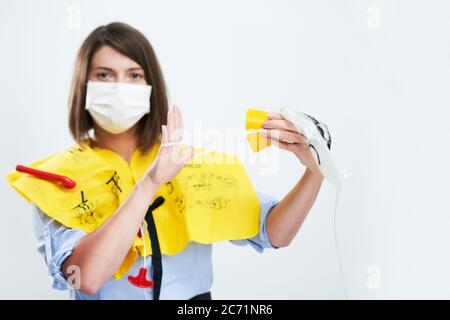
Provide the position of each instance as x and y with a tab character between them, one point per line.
135	46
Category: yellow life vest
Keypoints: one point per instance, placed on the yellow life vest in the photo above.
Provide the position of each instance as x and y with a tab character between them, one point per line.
211	199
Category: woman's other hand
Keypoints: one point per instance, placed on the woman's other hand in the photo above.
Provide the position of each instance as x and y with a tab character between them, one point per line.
172	155
282	133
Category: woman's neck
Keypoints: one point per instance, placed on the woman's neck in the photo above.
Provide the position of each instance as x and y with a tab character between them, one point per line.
123	144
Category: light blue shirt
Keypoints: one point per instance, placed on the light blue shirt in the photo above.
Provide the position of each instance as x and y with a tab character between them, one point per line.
185	274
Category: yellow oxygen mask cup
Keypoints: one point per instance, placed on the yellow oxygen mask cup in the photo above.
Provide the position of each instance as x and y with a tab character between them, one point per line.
253	125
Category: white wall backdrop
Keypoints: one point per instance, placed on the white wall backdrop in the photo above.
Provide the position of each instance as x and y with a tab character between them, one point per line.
376	71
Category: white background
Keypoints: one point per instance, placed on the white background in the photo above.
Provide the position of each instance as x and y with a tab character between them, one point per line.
377	72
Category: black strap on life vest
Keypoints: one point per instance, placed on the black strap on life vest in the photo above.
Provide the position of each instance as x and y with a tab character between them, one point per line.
203	296
156	250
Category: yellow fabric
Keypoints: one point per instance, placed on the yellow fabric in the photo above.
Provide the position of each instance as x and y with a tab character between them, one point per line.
253	121
211	199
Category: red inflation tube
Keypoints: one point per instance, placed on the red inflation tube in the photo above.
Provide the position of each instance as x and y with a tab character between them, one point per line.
65	181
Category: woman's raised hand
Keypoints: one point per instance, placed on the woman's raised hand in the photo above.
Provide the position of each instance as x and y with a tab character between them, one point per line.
172	155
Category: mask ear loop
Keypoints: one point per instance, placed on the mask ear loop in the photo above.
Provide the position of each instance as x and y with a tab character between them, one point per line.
141	280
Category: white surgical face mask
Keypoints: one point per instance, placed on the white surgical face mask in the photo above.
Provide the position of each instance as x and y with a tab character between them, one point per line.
116	106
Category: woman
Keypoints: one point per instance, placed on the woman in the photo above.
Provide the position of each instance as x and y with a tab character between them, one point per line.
117	62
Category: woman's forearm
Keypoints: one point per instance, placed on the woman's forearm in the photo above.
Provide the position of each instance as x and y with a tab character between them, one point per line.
100	253
286	218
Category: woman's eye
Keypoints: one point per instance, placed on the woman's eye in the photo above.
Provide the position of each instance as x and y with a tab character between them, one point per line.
102	75
136	76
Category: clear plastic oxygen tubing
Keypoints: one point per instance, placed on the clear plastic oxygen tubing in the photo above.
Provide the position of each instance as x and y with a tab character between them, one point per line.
336	243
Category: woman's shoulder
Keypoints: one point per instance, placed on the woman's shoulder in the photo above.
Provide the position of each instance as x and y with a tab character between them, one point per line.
52	162
44	183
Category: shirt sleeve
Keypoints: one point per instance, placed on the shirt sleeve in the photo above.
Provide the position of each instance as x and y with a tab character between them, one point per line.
54	243
261	241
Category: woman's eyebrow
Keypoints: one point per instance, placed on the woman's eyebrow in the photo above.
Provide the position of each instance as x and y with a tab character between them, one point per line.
110	69
105	68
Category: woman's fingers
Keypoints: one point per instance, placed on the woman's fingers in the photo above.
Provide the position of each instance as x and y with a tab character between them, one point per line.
174	118
178	121
165	134
283	130
282	145
279	124
169	124
178	126
285	136
174	124
275	116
